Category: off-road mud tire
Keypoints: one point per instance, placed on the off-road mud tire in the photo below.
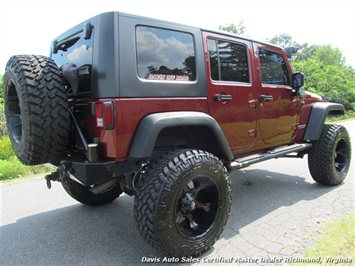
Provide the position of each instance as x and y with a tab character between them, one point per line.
163	213
329	158
85	196
36	109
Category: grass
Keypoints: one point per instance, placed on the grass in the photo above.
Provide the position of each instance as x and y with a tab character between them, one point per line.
10	167
337	245
26	178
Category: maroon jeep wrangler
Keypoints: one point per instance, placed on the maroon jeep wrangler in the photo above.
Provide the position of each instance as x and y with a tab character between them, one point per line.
164	112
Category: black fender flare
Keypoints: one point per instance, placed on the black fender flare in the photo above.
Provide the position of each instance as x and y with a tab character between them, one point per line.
316	120
151	125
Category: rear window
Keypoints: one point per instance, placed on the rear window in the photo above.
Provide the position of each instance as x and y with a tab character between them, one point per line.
165	54
77	51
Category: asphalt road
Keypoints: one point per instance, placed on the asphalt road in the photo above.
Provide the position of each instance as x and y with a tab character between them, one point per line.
277	212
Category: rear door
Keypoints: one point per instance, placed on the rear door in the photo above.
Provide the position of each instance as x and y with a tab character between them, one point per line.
232	95
278	105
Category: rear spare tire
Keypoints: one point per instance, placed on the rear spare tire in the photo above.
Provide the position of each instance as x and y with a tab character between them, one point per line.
36	109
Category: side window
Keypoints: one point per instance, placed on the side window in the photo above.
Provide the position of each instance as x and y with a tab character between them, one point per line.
165	54
228	61
273	68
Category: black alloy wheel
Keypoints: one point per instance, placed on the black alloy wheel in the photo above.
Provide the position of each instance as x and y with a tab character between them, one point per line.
197	208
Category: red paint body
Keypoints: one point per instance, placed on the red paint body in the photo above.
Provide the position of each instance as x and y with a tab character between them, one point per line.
248	123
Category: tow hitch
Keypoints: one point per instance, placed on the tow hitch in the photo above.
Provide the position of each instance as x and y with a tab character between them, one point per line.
59	175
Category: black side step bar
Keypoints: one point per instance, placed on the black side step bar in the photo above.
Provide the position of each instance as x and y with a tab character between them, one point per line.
279	152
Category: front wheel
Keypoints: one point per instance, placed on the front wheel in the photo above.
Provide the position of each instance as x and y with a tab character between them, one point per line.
183	202
329	158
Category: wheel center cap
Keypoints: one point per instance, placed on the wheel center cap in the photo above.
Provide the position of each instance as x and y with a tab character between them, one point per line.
188	204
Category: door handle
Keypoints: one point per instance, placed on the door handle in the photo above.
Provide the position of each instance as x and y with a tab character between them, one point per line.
266	98
223	97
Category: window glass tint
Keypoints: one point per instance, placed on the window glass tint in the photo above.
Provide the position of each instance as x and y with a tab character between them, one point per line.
165	54
77	52
228	61
273	68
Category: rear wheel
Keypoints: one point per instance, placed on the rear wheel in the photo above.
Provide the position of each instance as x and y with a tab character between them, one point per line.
183	202
36	109
85	196
329	158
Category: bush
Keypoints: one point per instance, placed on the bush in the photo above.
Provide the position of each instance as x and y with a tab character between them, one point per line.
11	167
3	129
348	115
6	150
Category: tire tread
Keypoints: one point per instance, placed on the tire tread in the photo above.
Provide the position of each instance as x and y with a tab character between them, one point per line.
320	157
163	171
44	108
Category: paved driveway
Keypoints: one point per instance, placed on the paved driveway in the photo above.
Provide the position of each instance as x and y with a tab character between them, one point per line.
277	212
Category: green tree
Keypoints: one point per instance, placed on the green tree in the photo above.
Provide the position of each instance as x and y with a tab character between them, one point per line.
238	29
323	53
285	40
306	52
324	69
329	56
326	74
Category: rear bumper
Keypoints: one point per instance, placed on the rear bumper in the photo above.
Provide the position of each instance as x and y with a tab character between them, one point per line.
94	173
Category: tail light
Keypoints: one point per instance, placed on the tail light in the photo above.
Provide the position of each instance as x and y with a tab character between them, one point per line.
104	115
